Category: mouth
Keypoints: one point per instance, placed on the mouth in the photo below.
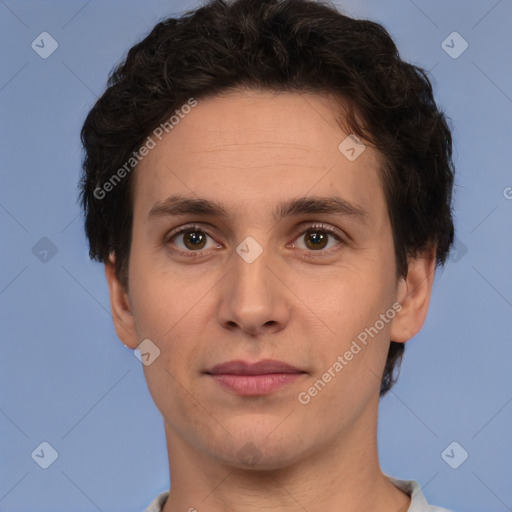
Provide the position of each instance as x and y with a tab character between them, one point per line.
253	379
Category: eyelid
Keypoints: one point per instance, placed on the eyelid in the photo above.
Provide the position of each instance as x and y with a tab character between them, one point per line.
320	226
301	230
185	227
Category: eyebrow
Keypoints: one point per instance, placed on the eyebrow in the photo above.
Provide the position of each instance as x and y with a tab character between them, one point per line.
176	205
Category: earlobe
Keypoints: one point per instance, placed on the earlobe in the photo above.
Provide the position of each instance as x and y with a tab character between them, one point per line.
120	306
413	293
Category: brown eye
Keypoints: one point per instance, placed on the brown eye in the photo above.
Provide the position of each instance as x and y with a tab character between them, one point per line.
316	239
319	237
191	239
194	239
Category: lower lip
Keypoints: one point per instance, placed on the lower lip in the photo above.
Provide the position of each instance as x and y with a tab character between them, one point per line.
256	384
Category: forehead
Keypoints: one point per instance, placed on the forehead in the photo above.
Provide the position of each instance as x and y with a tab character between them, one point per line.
246	147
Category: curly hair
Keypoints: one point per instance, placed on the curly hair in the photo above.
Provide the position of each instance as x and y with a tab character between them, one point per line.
276	45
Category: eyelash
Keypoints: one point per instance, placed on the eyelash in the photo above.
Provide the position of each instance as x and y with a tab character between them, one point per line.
311	228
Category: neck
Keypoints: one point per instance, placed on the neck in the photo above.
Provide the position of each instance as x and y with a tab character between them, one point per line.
342	475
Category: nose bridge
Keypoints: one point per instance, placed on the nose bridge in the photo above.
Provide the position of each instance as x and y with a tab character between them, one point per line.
251	274
254	299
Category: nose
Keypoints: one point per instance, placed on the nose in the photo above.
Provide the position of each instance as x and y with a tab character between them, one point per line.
253	298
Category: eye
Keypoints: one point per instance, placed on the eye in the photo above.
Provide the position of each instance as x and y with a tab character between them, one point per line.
317	238
191	239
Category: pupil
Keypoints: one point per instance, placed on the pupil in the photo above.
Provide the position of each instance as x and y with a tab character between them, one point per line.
195	239
319	239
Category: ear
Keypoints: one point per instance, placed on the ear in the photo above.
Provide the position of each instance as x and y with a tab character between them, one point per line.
413	293
120	305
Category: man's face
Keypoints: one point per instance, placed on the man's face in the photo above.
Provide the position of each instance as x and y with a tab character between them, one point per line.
208	297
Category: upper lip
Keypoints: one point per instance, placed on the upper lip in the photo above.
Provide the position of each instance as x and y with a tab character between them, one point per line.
265	366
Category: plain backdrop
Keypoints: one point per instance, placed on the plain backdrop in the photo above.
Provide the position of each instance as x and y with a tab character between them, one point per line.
65	378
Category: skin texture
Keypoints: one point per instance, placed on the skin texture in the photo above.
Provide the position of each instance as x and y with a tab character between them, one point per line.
250	150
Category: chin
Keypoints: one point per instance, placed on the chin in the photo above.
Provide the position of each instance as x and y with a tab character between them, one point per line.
260	452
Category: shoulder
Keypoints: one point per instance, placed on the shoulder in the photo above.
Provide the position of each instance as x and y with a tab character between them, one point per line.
411	487
418	500
157	504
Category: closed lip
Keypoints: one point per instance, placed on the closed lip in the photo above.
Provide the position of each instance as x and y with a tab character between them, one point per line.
263	367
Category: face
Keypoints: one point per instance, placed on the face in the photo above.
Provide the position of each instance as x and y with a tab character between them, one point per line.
291	259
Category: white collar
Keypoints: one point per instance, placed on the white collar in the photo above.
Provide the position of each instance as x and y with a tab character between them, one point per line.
411	487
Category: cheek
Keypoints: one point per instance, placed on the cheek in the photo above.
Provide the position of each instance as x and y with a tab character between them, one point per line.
349	299
350	307
172	310
158	298
165	310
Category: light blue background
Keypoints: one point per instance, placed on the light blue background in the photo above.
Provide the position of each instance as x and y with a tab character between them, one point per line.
66	379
